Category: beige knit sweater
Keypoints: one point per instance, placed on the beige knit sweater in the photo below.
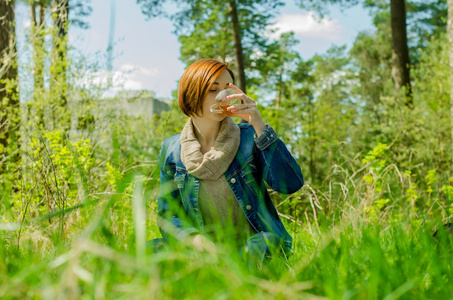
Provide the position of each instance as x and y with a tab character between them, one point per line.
223	218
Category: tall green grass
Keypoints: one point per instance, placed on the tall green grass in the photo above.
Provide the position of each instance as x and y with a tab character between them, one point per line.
354	259
367	233
354	262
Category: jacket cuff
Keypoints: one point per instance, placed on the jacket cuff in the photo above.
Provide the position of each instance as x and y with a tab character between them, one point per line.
268	137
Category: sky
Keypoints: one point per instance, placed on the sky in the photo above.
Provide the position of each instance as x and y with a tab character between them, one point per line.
146	52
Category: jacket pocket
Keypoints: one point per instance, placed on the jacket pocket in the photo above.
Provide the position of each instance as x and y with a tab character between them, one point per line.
250	178
179	180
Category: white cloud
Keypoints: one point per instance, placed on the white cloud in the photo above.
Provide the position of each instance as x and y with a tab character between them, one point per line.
113	82
127	77
308	25
127	67
119	82
26	23
136	70
132	84
149	72
132	77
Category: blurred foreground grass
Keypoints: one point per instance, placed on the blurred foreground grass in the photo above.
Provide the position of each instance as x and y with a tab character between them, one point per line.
347	261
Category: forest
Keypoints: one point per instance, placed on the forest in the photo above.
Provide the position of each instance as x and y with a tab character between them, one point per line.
370	126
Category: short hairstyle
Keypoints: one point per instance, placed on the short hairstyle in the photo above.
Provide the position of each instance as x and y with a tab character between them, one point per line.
195	83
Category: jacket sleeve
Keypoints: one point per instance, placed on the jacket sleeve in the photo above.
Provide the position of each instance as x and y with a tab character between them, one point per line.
172	219
280	170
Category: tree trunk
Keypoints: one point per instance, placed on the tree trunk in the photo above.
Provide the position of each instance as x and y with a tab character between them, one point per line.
312	141
61	10
400	52
33	13
279	88
37	27
450	39
236	30
280	78
37	38
9	97
59	63
42	12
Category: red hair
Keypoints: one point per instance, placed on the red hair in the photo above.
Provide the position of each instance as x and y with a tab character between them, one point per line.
195	83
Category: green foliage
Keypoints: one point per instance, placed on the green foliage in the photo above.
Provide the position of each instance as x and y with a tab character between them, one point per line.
448	191
204	30
10	119
377	165
67	162
377	176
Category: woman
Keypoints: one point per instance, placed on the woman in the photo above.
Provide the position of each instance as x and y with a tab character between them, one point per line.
213	172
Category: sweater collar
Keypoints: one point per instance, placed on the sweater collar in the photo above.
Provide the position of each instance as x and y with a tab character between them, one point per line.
216	161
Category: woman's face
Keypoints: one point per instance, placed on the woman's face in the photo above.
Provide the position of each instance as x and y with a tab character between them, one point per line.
219	85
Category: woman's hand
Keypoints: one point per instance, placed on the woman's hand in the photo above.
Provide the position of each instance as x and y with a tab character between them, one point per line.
202	243
247	110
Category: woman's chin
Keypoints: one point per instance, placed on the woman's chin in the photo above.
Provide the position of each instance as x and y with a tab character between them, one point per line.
219	117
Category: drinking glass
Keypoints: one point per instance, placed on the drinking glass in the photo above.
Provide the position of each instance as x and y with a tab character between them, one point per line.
222	103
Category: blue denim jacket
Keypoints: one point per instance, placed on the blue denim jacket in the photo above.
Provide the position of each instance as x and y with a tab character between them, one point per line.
260	159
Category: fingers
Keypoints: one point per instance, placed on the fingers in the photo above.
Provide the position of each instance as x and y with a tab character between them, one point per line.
245	114
237	96
236	89
242	108
240	94
201	243
243	97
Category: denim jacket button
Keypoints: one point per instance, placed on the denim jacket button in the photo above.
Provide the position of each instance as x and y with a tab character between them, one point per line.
248	207
233	180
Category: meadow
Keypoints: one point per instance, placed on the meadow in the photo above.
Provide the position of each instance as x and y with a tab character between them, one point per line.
349	241
79	177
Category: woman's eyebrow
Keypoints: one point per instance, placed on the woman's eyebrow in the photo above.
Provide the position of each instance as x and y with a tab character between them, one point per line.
218	83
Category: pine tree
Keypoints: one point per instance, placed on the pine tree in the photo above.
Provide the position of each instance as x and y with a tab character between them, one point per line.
234	32
9	96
